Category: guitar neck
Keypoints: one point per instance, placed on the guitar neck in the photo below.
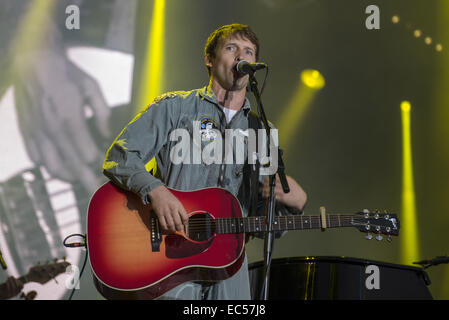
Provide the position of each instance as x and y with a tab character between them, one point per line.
281	223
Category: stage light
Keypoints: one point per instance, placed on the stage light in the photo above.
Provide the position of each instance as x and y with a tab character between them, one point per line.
405	106
409	230
395	19
428	40
438	47
312	79
310	82
417	33
151	82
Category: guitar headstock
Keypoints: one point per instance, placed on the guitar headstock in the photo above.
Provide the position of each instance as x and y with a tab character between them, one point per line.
45	272
376	223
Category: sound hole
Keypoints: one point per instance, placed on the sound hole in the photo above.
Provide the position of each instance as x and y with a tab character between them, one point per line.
201	227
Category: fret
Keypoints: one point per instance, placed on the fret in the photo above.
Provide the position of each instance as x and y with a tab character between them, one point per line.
217	226
223	222
280	223
241	226
257	220
306	221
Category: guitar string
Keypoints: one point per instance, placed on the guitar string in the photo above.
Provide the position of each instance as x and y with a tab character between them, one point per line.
231	224
315	221
282	220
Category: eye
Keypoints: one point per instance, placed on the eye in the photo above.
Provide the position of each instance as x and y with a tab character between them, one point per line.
250	52
230	48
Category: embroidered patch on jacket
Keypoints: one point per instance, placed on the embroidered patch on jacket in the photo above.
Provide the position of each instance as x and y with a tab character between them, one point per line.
206	129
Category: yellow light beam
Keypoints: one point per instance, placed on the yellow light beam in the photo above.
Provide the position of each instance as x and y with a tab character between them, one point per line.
441	129
311	81
409	228
32	33
151	82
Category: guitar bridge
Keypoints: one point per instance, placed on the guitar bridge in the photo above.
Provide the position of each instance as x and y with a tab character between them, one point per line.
156	235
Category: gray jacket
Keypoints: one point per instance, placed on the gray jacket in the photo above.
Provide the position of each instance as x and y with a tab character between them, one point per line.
148	136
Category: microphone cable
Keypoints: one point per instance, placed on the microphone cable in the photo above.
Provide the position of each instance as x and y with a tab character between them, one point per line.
80	244
264	82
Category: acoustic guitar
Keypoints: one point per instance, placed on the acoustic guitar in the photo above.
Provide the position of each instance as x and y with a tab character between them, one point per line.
131	258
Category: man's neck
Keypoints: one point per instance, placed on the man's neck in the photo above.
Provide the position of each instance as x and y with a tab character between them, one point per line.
233	100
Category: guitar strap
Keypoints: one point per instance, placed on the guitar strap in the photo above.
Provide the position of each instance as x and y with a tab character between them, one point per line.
252	170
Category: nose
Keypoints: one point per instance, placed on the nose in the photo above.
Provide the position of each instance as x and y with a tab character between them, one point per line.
238	55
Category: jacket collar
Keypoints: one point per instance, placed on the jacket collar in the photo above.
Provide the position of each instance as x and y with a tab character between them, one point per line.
208	94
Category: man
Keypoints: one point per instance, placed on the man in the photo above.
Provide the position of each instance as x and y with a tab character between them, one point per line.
221	105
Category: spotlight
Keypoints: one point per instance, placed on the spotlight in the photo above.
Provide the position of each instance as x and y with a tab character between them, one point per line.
395	19
312	79
405	106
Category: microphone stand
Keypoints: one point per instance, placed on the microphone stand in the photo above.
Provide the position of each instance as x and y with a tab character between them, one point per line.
269	233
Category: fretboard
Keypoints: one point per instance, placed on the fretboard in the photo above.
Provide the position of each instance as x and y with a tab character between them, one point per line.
281	223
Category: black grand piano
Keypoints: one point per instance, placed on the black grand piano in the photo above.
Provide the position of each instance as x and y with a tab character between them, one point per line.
339	278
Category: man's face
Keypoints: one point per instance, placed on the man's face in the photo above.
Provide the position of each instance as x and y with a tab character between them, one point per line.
227	54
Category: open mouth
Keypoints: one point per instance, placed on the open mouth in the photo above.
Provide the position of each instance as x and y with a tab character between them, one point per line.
236	74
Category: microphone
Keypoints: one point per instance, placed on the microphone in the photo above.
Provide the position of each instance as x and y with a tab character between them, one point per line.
244	67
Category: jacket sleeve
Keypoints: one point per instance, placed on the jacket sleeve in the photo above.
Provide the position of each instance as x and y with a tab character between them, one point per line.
280	208
138	143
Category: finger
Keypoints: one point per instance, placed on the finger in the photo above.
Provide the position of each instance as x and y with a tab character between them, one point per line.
176	216
162	222
183	214
170	222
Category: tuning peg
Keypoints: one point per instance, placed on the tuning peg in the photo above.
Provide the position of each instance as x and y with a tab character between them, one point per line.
368	236
366	213
389	238
379	237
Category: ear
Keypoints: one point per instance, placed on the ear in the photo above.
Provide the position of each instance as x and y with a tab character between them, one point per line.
208	60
